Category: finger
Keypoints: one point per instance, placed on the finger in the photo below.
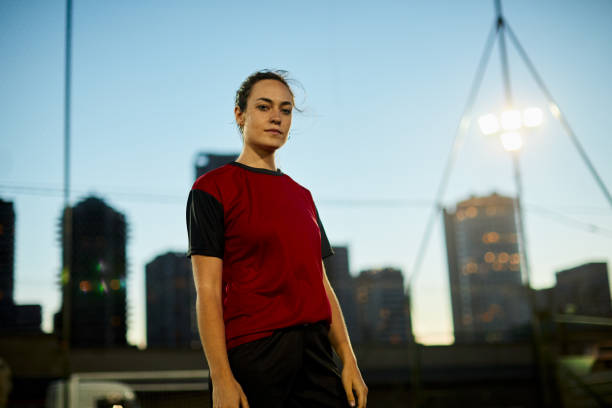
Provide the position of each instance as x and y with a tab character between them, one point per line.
243	400
361	396
362	393
348	389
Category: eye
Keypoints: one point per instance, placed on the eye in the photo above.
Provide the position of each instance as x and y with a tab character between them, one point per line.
286	111
262	108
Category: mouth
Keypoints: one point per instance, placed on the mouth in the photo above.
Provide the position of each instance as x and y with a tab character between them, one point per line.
275	131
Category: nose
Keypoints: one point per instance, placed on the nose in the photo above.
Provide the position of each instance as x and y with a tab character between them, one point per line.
275	116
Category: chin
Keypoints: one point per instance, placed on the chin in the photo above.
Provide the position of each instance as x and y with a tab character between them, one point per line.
274	147
273	144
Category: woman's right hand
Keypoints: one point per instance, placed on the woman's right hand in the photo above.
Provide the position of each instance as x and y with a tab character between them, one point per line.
207	275
228	394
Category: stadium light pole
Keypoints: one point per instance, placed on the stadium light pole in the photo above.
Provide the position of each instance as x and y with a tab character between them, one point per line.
510	126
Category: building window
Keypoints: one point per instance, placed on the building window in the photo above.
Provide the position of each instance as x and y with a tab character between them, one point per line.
85	286
115	284
490	237
515	259
470	268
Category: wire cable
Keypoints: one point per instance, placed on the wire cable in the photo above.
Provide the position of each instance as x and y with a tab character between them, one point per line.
55	191
595	229
345	203
558	114
457	143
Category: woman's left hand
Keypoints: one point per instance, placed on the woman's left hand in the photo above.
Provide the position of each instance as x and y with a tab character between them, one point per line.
354	385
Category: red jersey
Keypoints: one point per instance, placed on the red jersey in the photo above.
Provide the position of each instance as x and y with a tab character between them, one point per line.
267	230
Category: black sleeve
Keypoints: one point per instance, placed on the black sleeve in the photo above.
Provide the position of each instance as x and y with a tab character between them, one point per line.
326	249
204	224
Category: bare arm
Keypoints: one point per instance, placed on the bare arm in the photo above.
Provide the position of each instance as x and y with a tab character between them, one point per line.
339	339
207	272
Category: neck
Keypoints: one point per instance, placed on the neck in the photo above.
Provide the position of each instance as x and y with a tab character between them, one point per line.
261	159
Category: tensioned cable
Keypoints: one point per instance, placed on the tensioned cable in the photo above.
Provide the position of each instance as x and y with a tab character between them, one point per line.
344	202
556	111
350	203
457	143
561	218
54	191
175	199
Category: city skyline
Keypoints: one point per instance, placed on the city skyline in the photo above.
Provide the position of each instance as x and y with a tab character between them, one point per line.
348	287
383	90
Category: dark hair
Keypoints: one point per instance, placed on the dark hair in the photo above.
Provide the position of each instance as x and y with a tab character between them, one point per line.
242	94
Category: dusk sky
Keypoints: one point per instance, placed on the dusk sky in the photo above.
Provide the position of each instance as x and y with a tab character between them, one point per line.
383	88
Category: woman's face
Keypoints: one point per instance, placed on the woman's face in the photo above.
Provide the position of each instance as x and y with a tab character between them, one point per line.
266	120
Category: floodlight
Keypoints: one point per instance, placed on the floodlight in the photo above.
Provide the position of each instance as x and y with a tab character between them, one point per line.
489	124
511	120
511	141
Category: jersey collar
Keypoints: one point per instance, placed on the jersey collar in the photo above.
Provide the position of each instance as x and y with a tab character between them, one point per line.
278	172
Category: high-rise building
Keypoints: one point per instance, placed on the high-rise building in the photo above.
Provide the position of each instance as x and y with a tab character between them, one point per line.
7	251
382	306
206	162
337	268
488	299
584	290
98	277
13	318
171	302
7	264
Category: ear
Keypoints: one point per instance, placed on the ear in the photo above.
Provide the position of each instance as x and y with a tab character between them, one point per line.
239	115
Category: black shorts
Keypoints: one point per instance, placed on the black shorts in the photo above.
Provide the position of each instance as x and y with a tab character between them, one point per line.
293	367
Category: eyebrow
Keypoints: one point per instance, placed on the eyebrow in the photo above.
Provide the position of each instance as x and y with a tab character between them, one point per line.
271	102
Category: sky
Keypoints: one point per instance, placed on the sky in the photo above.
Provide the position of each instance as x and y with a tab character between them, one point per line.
383	87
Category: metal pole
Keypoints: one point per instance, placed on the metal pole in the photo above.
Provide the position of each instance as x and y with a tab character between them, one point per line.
67	103
518	216
415	353
526	276
503	53
67	227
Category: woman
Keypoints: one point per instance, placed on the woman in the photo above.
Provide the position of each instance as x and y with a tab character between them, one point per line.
266	312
